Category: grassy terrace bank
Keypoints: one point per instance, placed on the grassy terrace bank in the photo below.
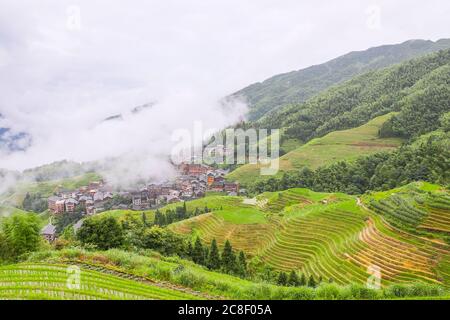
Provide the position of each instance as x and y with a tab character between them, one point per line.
175	271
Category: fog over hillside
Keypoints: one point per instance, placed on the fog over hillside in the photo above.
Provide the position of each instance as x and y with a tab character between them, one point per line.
66	67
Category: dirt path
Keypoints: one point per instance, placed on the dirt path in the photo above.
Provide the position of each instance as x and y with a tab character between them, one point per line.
361	204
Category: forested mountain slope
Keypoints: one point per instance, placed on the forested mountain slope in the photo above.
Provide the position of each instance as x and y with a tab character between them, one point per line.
298	86
417	90
410	88
333	147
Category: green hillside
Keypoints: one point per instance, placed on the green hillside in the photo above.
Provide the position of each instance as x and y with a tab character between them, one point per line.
6	211
411	88
335	146
49	281
333	236
298	86
418	207
15	196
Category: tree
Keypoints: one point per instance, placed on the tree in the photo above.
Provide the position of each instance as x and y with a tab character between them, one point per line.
198	255
144	219
242	264
311	282
228	258
65	219
190	250
302	280
213	257
105	233
5	250
34	202
160	218
282	279
163	241
293	279
22	234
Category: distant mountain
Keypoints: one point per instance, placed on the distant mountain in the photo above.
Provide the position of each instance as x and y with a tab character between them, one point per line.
134	111
298	86
12	141
417	91
20	141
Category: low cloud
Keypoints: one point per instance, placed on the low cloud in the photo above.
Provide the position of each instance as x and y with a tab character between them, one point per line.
66	66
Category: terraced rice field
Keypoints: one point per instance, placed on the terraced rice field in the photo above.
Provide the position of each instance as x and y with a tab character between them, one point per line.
316	243
341	242
336	236
398	208
49	281
249	237
438	218
333	147
286	199
414	207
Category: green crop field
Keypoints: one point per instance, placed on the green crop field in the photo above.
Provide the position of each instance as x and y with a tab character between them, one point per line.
335	236
417	207
333	147
50	281
6	211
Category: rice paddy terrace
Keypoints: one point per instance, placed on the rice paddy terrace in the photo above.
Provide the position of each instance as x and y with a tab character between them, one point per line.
50	281
340	237
248	229
333	147
417	207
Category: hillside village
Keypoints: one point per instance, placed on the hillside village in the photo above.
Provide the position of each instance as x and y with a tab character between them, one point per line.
193	181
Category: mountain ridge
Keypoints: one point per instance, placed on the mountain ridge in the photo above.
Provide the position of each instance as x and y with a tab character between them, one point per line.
299	85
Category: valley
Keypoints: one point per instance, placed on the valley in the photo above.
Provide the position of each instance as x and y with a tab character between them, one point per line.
359	208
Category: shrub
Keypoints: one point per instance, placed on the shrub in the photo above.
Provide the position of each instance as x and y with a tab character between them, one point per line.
362	292
190	279
329	292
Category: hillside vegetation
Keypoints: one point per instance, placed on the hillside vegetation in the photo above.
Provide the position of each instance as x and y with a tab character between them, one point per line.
409	88
336	146
332	236
420	208
50	281
298	86
426	158
16	195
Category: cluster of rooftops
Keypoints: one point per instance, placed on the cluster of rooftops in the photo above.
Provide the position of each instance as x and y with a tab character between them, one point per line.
193	181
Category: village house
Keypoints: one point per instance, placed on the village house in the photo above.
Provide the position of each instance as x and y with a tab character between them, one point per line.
107	196
94	185
60	206
90	210
71	205
210	178
52	204
98	196
216	187
172	199
49	232
193	169
231	187
140	200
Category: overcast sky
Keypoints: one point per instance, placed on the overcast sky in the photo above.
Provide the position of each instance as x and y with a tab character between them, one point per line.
66	65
